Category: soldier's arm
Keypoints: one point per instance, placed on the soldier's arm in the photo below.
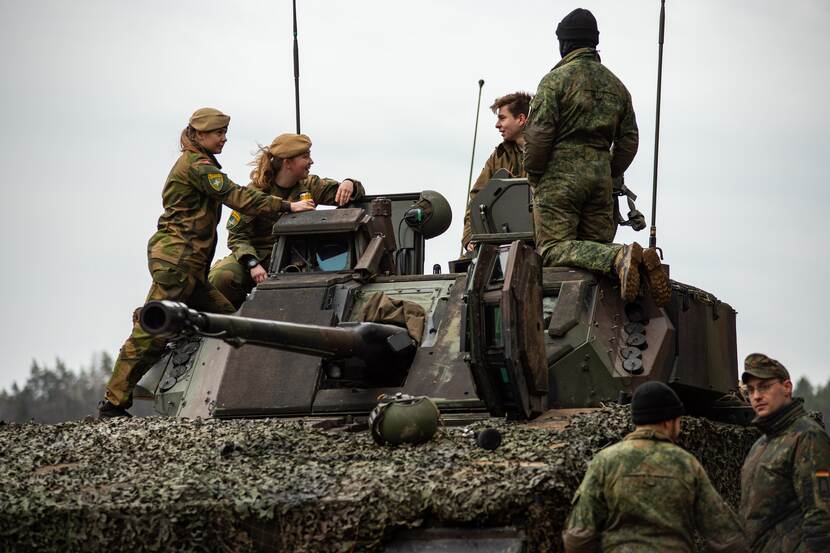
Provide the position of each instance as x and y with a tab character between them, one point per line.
485	175
540	132
240	231
583	529
324	191
245	200
626	141
716	522
811	480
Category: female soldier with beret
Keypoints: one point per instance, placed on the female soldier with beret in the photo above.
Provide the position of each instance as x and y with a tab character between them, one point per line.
281	169
181	250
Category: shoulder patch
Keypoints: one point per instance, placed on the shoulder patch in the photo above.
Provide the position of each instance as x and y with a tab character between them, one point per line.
233	220
216	181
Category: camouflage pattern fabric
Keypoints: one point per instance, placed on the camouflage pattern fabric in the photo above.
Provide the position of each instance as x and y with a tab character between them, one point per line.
142	350
581	132
507	155
251	235
646	494
179	254
785	484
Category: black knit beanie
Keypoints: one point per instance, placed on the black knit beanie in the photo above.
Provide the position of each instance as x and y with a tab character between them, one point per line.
655	402
578	26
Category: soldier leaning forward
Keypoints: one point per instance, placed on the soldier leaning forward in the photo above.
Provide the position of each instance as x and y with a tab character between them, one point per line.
580	110
281	169
785	480
182	248
646	494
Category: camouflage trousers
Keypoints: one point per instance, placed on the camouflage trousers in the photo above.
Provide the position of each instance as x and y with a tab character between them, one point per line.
573	217
142	350
232	279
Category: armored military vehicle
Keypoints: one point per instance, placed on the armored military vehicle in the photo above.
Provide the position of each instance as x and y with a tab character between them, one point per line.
346	315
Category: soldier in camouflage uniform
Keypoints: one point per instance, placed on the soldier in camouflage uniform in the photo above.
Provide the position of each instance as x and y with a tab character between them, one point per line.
180	252
581	133
785	480
646	494
281	170
511	115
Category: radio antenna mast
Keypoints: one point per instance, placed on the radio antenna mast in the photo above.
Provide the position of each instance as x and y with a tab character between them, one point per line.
296	68
652	238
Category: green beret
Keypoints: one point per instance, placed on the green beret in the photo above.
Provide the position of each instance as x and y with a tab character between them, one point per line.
208	119
288	145
761	366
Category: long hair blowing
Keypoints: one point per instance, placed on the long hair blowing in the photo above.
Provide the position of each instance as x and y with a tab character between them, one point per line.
266	165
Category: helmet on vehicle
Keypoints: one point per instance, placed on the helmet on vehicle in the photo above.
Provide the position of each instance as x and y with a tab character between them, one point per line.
431	215
404	419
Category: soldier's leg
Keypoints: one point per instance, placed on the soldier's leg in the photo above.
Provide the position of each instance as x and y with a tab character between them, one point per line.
597	220
207	298
556	209
142	350
231	279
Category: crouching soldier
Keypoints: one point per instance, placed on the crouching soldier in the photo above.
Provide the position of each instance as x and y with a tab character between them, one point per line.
646	494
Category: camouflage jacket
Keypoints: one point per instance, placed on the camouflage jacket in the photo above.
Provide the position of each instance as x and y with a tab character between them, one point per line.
580	104
192	197
785	484
646	494
507	155
251	235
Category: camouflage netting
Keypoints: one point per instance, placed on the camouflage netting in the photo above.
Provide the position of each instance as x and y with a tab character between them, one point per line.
251	485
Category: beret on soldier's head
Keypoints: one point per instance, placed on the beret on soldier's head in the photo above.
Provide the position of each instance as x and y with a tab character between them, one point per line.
288	145
655	402
208	119
763	367
579	25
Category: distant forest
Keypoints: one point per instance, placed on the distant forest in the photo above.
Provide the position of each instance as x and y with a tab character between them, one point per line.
59	394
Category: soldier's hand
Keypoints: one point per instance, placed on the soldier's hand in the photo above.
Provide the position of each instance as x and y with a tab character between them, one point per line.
304	205
470	246
259	274
344	192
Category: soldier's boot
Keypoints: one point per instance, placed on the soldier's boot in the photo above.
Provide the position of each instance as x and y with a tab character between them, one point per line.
658	282
107	410
627	266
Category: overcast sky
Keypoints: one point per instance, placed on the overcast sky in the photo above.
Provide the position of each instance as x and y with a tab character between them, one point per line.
94	95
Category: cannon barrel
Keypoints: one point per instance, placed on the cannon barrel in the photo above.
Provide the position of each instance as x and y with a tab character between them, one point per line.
370	341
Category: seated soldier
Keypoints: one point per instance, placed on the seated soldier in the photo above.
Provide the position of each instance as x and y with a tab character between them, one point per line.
511	115
281	170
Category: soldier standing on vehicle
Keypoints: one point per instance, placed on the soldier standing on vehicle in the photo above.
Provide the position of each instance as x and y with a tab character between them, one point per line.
181	250
646	494
511	115
581	133
281	170
785	480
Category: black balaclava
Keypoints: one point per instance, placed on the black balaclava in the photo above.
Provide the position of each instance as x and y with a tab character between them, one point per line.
655	402
577	30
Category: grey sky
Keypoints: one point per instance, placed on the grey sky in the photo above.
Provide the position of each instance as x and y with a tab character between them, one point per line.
95	93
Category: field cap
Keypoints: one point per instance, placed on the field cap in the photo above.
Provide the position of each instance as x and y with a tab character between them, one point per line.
288	145
763	367
208	119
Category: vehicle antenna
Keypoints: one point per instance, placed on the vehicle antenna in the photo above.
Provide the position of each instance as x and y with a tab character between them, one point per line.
475	135
296	68
652	238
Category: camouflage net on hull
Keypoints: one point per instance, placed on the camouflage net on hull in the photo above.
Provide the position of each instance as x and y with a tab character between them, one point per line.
254	485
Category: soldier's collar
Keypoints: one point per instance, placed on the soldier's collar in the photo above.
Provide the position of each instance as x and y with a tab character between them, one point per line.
505	144
648	434
779	421
202	153
578	53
